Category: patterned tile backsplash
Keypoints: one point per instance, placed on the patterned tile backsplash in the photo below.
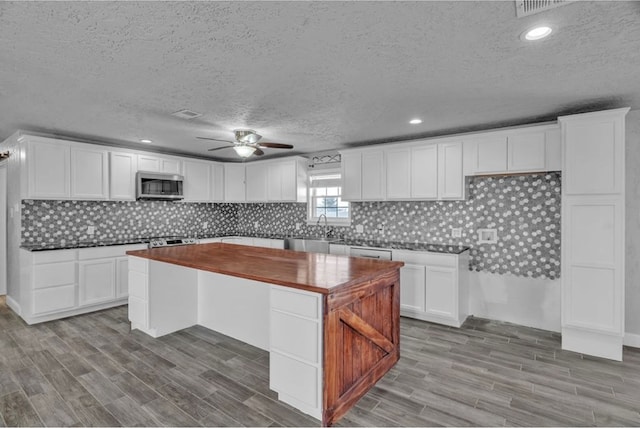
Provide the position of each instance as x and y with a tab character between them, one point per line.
525	210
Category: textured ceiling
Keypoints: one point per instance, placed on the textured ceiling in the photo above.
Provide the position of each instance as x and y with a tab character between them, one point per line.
318	75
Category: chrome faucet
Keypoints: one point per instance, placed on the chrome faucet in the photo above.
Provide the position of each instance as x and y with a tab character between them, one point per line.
325	224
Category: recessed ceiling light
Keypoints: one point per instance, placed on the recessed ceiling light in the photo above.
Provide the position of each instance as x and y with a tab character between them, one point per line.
415	121
144	140
537	33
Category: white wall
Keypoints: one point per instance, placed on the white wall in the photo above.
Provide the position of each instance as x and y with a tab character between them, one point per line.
632	235
3	228
526	301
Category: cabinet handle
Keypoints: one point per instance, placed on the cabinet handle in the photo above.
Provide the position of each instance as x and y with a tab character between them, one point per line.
371	257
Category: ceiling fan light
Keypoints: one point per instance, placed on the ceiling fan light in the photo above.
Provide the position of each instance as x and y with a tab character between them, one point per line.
244	151
251	138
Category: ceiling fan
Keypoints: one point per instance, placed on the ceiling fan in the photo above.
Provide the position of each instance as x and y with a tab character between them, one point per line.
247	143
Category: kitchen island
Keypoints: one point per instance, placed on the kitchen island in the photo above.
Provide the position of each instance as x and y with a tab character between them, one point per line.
331	323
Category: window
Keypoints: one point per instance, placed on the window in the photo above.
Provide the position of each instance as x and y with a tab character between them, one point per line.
324	198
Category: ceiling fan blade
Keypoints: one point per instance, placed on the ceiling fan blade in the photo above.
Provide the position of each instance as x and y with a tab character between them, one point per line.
258	152
275	145
219	148
215	139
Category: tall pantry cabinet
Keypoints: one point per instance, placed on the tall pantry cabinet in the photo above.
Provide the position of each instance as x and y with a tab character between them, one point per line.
593	194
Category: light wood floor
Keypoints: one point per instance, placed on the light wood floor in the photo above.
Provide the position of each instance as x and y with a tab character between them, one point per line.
91	370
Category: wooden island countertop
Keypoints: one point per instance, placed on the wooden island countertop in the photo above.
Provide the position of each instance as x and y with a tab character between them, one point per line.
319	273
358	339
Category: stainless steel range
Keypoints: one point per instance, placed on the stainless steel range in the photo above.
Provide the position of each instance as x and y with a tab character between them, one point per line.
169	241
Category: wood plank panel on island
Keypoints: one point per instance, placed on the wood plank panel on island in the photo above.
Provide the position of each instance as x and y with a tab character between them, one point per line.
331	323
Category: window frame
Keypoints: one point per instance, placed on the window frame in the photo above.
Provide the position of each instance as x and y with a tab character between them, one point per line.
331	221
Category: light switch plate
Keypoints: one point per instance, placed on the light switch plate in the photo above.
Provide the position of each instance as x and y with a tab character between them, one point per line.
456	232
359	228
91	230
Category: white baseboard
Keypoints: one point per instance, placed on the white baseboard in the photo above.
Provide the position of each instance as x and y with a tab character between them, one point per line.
14	305
632	340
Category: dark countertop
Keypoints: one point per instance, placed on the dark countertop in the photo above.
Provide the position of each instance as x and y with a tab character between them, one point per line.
412	246
396	245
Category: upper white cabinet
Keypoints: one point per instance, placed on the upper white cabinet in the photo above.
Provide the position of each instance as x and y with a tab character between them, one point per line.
287	180
234	179
420	170
154	163
529	149
49	171
89	173
217	182
256	180
197	181
122	176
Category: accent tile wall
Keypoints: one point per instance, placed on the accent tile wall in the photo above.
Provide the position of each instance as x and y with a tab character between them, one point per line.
524	209
47	221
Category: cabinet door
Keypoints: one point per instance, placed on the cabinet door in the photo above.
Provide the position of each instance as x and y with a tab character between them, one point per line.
149	163
450	175
412	287
217	182
256	179
197	181
89	173
398	172
288	179
122	277
527	152
274	182
441	292
122	176
97	281
491	155
170	165
372	176
49	172
424	172
234	190
351	166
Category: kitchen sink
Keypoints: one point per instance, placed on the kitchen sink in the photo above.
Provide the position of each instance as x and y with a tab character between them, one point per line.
310	245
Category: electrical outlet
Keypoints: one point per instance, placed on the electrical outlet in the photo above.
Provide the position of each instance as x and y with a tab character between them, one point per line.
456	232
298	226
256	224
359	228
91	230
205	224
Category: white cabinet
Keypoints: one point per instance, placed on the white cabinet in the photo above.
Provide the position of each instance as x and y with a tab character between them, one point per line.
49	172
97	281
89	173
122	176
351	169
256	182
197	181
48	282
339	249
433	286
122	277
528	149
450	176
424	172
295	357
217	182
372	176
398	173
286	180
593	241
234	182
153	163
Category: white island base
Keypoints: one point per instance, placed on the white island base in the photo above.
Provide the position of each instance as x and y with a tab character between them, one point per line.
286	322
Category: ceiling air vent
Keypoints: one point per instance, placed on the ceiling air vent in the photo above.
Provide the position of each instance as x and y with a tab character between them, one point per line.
186	114
531	7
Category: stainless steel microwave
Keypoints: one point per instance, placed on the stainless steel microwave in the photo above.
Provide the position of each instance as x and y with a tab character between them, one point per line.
159	186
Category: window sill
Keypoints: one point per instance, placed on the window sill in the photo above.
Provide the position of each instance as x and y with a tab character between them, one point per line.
342	223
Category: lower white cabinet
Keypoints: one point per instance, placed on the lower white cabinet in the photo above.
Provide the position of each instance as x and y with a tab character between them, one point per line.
60	283
433	286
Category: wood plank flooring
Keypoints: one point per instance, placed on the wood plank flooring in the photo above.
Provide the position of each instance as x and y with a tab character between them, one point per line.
91	370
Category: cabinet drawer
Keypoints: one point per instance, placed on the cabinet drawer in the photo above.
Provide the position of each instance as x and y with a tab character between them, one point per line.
137	284
448	260
415	257
53	274
54	256
296	302
294	378
101	252
295	336
138	264
54	299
